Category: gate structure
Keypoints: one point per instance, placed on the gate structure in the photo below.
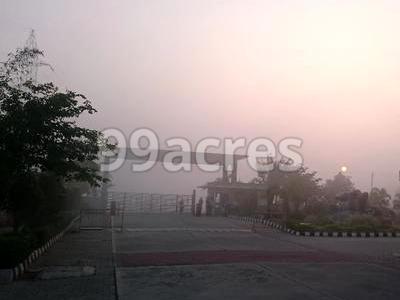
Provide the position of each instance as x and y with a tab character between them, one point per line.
155	203
121	204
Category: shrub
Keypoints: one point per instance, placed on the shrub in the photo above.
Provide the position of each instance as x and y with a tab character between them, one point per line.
296	217
354	223
333	228
302	227
14	248
366	223
362	220
319	220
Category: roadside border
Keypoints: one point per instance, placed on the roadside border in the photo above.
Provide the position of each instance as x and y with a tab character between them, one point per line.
343	234
9	275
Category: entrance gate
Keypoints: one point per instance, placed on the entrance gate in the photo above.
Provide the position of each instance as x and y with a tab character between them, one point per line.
154	203
120	205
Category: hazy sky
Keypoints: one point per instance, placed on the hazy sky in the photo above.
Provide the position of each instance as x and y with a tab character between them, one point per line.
324	71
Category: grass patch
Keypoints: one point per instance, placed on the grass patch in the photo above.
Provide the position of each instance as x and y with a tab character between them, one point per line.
344	227
354	223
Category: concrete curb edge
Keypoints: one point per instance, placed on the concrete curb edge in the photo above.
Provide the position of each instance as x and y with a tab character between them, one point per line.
9	275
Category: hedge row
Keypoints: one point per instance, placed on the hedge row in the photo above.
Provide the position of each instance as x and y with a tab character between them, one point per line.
16	246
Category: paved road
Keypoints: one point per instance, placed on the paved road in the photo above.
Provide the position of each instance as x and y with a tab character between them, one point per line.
181	257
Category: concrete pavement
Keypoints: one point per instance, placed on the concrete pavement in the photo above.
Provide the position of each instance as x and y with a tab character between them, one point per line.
215	263
169	256
259	281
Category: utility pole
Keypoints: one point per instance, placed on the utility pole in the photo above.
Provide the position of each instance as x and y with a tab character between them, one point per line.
372	181
372	186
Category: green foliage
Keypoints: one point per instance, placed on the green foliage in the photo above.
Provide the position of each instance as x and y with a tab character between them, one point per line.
302	227
39	136
37	200
354	201
14	248
366	223
297	216
396	201
379	197
337	186
356	223
318	220
332	228
296	188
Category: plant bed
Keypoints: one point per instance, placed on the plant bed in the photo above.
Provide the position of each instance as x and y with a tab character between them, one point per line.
18	251
327	230
14	247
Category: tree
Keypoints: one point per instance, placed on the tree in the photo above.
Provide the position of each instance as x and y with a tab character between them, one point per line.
396	201
355	201
37	200
379	198
299	187
39	133
295	188
336	187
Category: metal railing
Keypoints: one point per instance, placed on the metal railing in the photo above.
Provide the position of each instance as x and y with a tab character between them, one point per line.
120	204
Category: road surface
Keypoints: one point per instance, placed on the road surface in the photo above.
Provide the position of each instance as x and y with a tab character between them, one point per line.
183	257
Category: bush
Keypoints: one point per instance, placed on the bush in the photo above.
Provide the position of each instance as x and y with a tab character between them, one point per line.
354	223
366	223
14	248
364	228
302	227
333	228
364	220
320	220
296	217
